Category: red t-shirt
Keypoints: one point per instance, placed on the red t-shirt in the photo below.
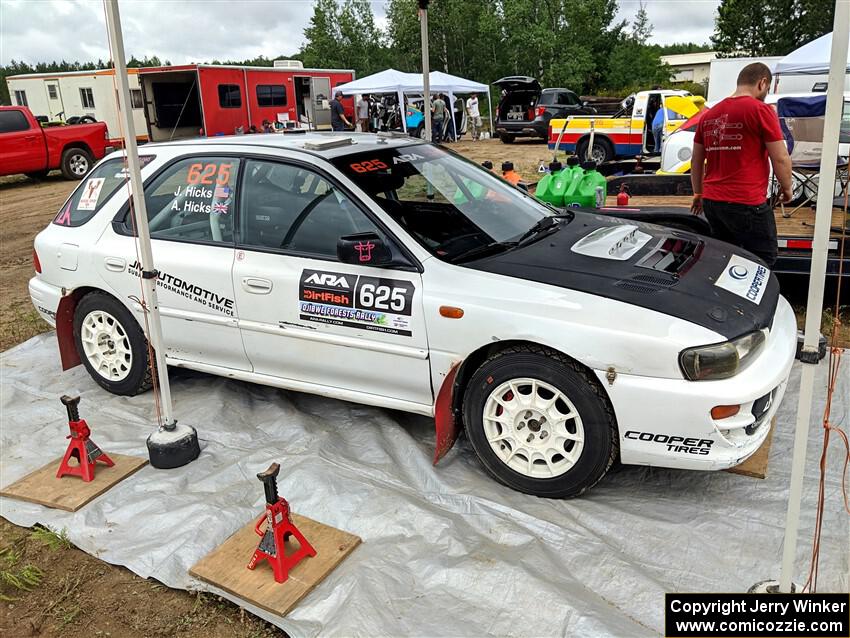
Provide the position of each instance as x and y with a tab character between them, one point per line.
735	133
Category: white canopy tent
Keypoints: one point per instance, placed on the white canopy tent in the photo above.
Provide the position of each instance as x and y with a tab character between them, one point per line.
809	59
401	83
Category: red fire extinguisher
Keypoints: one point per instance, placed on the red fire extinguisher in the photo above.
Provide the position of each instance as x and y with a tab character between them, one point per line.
623	196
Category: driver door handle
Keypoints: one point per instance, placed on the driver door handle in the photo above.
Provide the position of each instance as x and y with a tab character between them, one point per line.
256	286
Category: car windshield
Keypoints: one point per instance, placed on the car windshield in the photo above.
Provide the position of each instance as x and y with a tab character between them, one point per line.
454	208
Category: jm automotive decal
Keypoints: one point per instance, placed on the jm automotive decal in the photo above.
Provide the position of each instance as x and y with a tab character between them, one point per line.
191	291
369	303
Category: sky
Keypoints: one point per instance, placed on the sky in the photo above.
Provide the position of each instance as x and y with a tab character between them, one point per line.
202	30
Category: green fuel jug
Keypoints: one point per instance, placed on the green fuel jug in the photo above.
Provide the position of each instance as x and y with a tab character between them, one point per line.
587	188
543	192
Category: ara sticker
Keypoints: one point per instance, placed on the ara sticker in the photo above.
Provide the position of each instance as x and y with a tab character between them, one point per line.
367	303
91	192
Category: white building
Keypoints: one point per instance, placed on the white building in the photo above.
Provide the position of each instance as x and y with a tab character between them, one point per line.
78	93
690	67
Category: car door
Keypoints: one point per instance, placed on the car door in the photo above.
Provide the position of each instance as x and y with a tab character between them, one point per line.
309	318
22	148
190	206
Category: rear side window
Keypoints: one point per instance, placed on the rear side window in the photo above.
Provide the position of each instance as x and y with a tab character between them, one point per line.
193	200
229	96
11	121
94	191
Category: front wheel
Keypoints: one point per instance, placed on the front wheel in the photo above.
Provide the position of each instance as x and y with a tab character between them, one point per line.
540	423
111	345
76	163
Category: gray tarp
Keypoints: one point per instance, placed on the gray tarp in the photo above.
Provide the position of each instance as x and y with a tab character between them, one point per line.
446	550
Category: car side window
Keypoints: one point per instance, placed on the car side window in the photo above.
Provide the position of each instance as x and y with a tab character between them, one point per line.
289	207
193	200
94	191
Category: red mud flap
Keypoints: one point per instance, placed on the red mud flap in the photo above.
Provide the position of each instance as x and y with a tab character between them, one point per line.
444	417
65	332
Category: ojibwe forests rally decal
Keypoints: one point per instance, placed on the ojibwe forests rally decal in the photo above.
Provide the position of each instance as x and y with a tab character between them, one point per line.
369	303
187	289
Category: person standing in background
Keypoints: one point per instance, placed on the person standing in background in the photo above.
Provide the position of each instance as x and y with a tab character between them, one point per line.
730	169
363	113
474	115
438	118
338	120
658	126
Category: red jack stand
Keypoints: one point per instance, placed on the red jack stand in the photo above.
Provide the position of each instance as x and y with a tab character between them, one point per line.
81	446
279	528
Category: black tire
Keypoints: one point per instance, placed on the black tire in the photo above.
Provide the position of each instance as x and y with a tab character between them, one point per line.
506	139
601	148
601	440
76	163
139	376
419	133
37	175
86	119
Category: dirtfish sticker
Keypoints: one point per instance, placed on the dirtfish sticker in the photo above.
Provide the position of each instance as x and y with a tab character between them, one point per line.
351	301
744	278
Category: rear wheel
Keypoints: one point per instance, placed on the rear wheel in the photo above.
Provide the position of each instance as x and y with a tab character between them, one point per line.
76	163
420	132
111	345
602	150
540	423
506	139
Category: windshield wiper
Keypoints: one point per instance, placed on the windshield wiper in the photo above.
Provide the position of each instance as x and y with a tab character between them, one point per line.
481	250
542	225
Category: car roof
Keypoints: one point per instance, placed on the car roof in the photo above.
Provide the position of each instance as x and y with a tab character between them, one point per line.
320	144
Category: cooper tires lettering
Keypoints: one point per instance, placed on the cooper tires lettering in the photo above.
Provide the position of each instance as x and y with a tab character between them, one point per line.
681	444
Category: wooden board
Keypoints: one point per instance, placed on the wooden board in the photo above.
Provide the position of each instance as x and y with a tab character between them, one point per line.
756	465
226	566
70	493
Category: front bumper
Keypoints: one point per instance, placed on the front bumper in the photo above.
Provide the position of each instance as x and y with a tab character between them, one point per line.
45	298
668	423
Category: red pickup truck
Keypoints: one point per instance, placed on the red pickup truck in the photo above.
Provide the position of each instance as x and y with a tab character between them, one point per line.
26	147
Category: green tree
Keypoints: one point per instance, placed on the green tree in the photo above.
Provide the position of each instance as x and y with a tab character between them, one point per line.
344	36
769	27
633	64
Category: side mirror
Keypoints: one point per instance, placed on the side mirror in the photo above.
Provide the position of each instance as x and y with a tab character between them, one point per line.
364	249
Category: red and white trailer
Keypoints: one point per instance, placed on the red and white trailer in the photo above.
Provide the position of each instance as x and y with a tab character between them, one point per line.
192	100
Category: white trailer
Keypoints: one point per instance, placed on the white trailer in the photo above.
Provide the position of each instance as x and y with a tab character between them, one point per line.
723	75
78	93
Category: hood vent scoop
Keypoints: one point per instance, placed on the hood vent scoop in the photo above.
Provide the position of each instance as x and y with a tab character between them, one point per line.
616	242
673	255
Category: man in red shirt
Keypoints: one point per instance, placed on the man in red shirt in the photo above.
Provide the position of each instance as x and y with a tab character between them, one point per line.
729	167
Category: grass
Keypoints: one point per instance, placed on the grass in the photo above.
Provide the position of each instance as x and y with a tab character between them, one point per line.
15	577
52	539
24	323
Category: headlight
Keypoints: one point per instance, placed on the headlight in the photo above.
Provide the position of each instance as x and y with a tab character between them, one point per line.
721	360
684	154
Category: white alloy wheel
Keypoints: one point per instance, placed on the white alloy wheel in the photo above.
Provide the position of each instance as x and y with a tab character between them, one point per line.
106	345
79	164
533	428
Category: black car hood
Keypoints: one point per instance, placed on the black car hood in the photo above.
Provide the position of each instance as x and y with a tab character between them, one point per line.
674	273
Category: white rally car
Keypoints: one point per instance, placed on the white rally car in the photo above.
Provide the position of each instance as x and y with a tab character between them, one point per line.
388	271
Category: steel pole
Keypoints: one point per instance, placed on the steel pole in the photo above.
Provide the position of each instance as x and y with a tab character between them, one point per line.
829	154
426	80
113	25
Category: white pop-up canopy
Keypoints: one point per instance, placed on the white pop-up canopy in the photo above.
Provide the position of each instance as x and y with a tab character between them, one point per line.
401	83
809	59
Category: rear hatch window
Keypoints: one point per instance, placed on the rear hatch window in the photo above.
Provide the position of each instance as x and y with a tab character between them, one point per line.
94	191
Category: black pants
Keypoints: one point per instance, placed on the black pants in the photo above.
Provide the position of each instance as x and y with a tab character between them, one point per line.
751	227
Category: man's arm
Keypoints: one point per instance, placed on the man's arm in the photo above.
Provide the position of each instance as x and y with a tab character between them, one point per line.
781	162
697	171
